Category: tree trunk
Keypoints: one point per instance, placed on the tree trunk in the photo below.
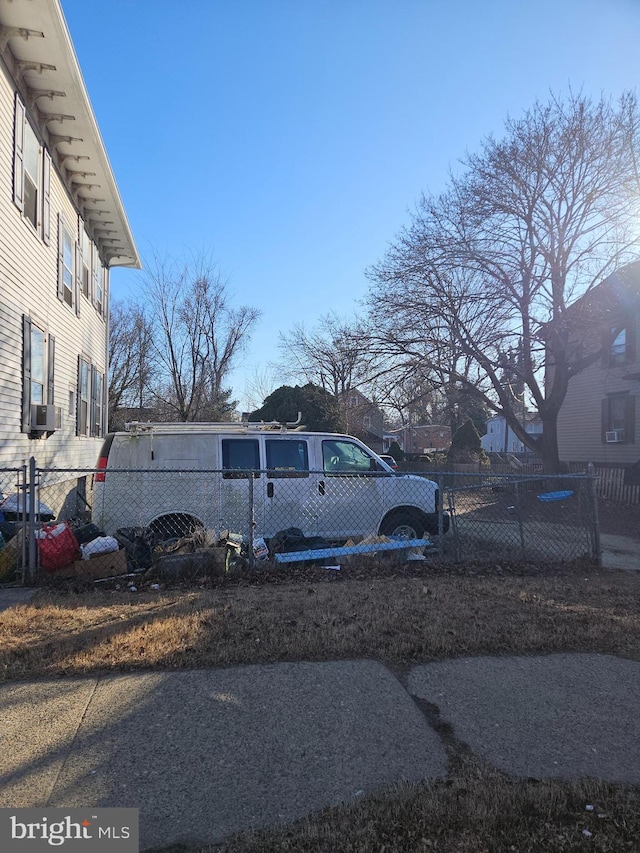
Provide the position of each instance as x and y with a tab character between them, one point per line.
548	447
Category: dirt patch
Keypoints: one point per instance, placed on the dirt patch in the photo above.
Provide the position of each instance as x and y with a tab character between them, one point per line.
620	519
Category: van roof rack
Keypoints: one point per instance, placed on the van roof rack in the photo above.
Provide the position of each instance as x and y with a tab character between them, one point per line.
244	427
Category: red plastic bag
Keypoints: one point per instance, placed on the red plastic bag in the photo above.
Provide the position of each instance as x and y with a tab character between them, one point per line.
57	546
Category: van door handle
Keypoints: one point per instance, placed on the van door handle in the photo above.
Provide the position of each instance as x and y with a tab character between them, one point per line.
321	487
269	490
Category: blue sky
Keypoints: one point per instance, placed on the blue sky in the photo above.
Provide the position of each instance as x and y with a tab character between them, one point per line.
288	139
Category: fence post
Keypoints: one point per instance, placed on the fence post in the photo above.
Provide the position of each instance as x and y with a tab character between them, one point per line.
21	530
520	524
32	515
593	499
252	521
440	510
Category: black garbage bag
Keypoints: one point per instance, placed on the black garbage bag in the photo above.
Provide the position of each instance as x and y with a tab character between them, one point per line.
293	539
86	532
139	544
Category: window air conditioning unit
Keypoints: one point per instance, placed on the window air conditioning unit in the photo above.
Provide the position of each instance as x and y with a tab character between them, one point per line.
615	436
43	418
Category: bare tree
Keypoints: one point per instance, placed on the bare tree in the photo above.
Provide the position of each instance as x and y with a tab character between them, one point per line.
130	366
197	336
331	355
490	267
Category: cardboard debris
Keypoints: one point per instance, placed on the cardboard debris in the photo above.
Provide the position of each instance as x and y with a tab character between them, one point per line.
9	556
98	566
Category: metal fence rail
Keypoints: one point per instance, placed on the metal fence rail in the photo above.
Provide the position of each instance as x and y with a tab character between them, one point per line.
480	516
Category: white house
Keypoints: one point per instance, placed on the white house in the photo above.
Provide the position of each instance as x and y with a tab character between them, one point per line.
62	227
500	438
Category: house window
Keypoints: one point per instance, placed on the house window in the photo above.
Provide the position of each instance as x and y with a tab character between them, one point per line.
31	172
618	419
38	363
84	373
98	283
85	262
89	399
99	288
96	402
66	265
37	366
620	349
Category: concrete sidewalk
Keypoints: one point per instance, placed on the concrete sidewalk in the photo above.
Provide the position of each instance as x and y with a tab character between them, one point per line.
207	753
620	552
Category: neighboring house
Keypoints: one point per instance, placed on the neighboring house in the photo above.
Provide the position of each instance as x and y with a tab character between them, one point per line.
423	438
500	438
598	421
62	227
362	418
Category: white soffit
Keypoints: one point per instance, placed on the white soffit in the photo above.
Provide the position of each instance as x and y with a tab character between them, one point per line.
37	49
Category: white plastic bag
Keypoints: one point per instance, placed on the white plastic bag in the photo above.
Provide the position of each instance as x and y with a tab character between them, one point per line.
101	545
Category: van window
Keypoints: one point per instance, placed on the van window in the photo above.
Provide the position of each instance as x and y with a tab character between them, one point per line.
344	457
240	454
287	458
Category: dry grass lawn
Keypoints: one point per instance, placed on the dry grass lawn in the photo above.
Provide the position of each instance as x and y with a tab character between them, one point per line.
396	619
475	811
400	617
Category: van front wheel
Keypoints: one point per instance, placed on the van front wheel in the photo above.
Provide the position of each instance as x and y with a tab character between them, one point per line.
403	524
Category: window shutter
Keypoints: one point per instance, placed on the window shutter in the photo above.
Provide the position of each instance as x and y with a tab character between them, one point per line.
630	420
94	403
26	374
46	198
79	399
95	260
104	403
105	292
60	259
77	278
604	420
51	370
18	154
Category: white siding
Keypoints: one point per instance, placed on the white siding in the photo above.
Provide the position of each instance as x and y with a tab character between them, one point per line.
28	285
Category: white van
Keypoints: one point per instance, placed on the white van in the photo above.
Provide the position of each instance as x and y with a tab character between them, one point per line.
173	477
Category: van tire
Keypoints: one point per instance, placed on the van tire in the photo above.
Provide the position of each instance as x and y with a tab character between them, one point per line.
406	523
173	526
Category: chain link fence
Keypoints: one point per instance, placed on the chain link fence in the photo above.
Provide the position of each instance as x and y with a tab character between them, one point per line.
447	516
533	519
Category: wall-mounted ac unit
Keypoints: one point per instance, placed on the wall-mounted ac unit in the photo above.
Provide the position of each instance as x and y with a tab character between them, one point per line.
615	436
43	418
